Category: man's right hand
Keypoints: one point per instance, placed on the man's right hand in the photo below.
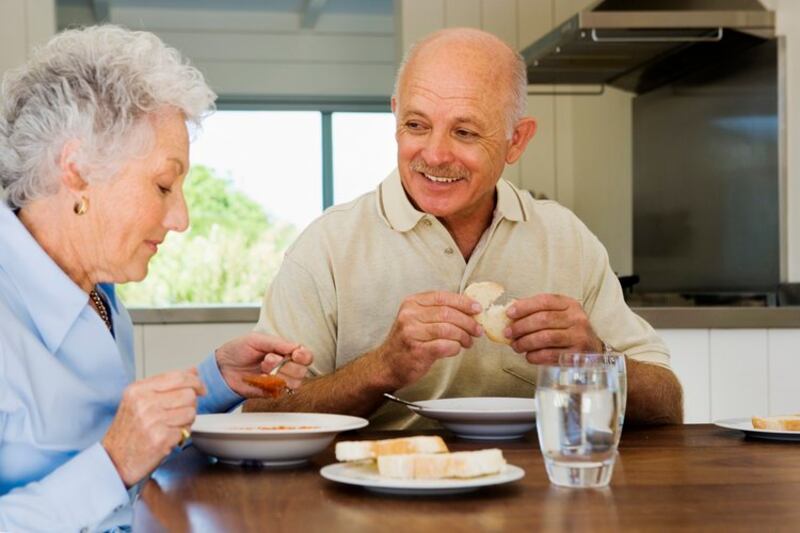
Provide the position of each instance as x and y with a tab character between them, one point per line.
149	420
429	326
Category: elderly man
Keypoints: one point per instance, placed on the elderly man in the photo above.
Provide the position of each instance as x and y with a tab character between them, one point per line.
373	287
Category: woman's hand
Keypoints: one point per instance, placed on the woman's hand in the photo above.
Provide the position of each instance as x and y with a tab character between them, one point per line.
149	421
257	353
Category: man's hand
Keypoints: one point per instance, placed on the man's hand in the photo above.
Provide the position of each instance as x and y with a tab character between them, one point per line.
256	353
149	420
429	326
547	325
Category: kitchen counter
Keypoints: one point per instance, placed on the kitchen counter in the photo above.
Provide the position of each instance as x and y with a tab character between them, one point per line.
658	317
720	317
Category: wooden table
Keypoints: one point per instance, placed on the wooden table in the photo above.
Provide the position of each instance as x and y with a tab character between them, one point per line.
689	477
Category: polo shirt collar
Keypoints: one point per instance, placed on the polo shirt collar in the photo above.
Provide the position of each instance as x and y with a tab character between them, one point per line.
510	203
399	213
52	299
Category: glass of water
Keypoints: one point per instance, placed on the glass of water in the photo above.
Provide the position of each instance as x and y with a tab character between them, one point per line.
615	359
578	420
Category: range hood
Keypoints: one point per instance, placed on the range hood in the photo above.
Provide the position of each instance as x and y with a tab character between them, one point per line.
639	45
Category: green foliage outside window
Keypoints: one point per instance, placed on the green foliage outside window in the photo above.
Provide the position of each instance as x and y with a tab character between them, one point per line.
229	254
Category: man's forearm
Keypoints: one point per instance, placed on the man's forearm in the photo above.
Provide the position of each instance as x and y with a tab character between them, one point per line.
654	395
355	389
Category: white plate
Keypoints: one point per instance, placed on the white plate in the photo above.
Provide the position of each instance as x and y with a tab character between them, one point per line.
482	418
241	437
366	475
746	425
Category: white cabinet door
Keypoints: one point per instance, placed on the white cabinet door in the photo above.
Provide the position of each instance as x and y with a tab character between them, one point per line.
173	346
784	368
739	385
690	360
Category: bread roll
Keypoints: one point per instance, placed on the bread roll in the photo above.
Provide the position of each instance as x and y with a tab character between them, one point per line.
370	449
439	466
779	423
493	318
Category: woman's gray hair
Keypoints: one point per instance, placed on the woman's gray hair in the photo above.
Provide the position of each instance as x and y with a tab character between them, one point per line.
94	85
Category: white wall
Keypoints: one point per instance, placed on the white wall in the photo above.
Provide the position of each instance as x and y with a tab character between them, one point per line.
582	152
788	26
268	53
23	25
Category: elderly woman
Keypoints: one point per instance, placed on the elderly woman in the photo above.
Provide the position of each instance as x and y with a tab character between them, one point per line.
93	155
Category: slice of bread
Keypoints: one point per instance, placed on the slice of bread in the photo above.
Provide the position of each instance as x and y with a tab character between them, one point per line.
780	423
439	466
493	318
370	449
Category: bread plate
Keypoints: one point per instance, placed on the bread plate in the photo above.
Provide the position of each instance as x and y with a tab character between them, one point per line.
365	474
746	425
487	418
271	439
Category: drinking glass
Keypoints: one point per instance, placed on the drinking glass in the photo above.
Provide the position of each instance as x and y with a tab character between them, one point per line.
615	359
578	406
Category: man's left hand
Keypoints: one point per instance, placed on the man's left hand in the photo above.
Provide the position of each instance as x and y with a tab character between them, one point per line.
547	325
257	353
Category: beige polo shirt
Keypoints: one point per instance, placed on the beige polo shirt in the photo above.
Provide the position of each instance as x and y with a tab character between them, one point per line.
342	282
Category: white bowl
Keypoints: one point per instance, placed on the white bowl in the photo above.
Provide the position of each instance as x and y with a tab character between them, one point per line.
252	437
487	418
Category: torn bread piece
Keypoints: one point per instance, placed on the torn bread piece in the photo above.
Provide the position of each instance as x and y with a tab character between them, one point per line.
370	449
779	423
493	318
440	466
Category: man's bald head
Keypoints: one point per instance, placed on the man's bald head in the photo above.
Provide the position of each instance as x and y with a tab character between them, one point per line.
477	52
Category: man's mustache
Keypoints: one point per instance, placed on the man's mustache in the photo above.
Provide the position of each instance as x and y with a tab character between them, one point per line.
448	171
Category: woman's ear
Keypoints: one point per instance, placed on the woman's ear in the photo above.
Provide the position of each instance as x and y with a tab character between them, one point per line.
70	175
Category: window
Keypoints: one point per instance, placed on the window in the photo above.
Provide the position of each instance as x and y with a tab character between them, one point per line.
364	152
258	178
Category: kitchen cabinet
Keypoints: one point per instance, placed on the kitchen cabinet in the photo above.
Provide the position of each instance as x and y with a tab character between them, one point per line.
783	370
690	361
739	380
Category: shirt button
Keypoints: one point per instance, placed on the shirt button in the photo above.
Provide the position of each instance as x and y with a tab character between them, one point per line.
448	250
427	222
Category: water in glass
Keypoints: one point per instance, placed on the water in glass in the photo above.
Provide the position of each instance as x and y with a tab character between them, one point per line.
579	423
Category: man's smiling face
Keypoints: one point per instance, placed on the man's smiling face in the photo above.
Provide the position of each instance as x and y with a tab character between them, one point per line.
452	112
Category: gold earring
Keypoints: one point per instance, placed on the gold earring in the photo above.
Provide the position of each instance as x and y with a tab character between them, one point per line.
81	206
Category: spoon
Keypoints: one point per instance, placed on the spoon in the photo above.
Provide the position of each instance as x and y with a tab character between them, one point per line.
394	398
277	368
521	378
